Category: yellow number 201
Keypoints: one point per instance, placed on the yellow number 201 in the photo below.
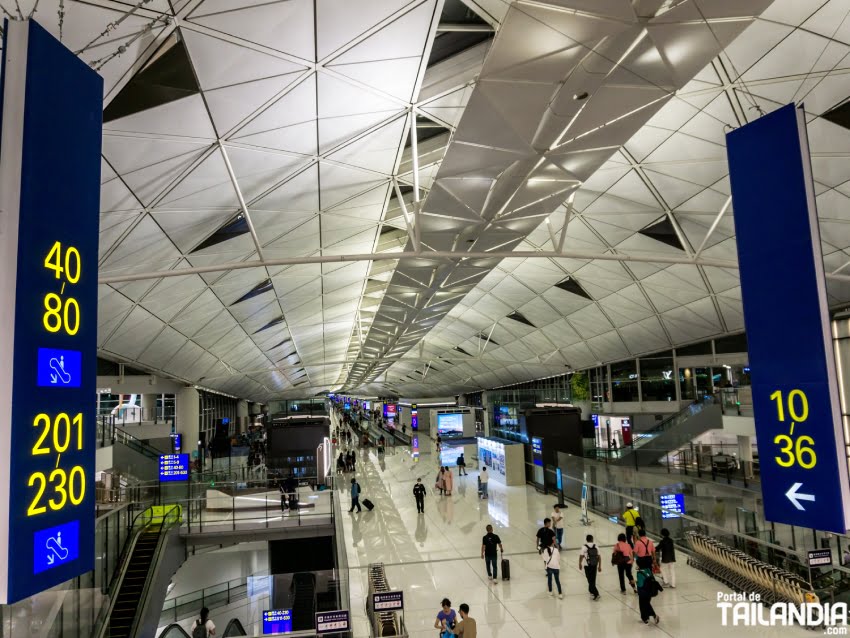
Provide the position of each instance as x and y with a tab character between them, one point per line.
58	314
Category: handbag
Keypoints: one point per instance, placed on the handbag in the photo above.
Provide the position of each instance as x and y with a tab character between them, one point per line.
619	558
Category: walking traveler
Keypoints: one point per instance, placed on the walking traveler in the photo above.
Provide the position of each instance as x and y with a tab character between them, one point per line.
483	479
203	627
558	523
446	618
622	557
545	535
668	559
592	565
629	516
644	551
489	544
450	479
552	561
647	588
461	465
419	494
440	482
466	627
355	496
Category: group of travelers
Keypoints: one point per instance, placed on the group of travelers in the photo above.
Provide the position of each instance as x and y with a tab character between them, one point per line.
448	624
445	481
346	462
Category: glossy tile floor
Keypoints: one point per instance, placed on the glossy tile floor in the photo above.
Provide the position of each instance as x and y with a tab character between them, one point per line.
437	554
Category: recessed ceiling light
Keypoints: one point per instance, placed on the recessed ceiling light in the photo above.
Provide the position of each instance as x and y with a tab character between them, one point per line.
581	96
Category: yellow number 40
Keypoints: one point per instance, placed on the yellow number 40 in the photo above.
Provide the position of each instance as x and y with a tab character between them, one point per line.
69	266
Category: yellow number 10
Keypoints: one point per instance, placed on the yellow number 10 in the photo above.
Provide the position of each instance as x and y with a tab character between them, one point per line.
797	417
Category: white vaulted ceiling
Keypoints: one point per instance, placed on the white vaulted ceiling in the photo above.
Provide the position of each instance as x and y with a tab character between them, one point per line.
294	145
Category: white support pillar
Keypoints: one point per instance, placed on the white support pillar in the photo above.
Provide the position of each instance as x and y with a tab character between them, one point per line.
241	416
187	417
745	454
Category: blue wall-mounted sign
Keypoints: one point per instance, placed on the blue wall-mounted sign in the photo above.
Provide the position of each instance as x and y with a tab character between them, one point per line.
50	197
173	467
672	505
795	394
277	621
537	451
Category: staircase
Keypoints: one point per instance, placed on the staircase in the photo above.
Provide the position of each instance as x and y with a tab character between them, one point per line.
133	585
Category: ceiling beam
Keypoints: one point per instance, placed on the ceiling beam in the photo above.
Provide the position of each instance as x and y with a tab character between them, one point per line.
425	256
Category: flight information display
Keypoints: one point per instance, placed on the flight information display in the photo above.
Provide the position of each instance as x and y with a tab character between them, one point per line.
48	282
277	621
173	467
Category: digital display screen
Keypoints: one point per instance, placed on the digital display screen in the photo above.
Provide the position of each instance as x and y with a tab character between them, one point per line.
595	419
450	424
277	621
177	441
390	410
173	467
48	345
449	455
673	505
414	417
346	406
537	450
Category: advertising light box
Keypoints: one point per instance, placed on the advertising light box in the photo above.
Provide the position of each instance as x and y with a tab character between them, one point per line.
50	200
450	424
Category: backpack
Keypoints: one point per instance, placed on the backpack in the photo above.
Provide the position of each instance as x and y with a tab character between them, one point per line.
200	630
592	556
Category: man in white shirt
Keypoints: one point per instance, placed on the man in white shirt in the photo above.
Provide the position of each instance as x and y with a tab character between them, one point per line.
558	524
483	478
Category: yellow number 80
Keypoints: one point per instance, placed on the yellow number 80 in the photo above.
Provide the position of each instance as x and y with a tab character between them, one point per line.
53	320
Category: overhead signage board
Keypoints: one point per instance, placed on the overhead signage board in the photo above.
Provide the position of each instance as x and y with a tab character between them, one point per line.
388	601
173	467
332	622
277	621
672	505
795	395
52	105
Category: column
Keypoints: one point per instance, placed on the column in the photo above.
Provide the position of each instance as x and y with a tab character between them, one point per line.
187	415
241	416
149	407
745	454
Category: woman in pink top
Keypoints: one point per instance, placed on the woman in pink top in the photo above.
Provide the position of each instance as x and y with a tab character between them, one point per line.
622	558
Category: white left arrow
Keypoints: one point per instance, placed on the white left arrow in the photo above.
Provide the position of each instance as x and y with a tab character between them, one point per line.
795	496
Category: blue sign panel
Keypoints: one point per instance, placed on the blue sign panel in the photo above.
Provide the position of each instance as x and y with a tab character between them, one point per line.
59	368
537	450
177	441
277	621
559	480
595	419
56	546
173	467
672	505
50	171
801	444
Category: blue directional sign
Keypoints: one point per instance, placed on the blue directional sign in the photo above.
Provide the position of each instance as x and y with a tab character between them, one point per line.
56	546
59	368
672	505
277	621
795	398
173	467
52	111
537	451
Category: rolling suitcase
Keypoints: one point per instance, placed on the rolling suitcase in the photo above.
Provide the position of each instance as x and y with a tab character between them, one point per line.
506	569
369	505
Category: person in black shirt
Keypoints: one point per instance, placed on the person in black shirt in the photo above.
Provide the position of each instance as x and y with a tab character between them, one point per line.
545	535
419	495
489	544
668	559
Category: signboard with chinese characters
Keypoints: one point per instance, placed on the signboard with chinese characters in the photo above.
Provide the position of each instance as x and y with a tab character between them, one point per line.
331	622
388	601
819	557
52	105
672	505
173	467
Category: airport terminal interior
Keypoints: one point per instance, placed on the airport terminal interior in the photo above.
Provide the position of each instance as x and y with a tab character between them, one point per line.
424	318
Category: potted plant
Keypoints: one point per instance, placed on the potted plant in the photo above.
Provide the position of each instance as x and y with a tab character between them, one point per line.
580	393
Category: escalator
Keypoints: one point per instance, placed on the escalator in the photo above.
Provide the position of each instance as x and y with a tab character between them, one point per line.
132	587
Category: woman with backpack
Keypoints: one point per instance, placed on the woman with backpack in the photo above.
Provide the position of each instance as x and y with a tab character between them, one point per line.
622	558
203	626
647	589
552	559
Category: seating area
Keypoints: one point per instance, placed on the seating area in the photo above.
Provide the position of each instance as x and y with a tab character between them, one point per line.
384	623
747	574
